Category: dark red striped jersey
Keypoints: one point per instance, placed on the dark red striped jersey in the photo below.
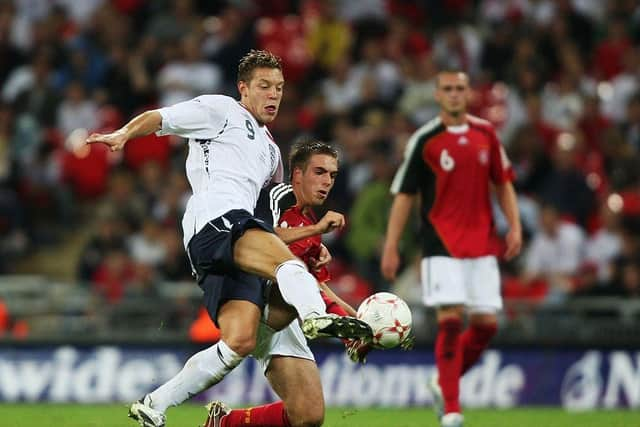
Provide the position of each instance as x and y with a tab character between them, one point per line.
277	206
451	168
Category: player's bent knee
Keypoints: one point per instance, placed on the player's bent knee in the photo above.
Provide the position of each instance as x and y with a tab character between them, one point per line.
243	345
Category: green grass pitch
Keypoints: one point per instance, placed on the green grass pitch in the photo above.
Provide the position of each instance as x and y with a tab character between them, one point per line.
39	415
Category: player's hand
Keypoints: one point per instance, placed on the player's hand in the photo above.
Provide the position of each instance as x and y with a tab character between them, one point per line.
408	342
514	244
114	140
390	263
357	350
324	258
330	221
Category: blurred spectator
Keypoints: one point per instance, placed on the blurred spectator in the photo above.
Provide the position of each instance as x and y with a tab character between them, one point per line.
229	36
113	275
146	246
189	75
605	244
86	170
169	26
77	110
341	89
368	219
616	94
385	73
39	99
175	265
127	81
110	234
122	198
10	55
555	253
593	125
458	48
565	186
417	101
609	54
169	208
630	127
530	162
328	38
629	280
497	51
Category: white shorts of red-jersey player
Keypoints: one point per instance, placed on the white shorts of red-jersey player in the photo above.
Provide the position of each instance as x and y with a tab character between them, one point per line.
288	342
473	282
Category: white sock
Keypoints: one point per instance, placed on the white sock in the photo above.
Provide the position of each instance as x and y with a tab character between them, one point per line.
300	289
201	371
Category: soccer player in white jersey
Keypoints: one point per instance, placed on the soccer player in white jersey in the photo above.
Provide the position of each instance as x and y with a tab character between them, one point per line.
231	157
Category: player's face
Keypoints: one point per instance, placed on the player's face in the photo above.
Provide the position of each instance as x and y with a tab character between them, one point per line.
263	93
317	179
453	92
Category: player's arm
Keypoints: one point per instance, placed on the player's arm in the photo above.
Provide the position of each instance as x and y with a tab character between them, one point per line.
508	201
336	299
141	125
404	187
398	217
292	234
329	222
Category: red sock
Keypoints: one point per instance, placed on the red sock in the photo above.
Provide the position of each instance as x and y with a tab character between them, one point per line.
473	342
449	360
271	415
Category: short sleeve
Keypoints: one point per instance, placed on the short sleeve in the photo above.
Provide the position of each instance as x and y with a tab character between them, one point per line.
195	118
273	201
277	174
501	170
406	179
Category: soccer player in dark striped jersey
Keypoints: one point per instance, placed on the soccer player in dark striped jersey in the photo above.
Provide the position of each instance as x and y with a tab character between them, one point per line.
450	164
284	355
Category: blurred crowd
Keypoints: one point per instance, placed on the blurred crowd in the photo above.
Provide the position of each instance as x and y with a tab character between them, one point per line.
559	79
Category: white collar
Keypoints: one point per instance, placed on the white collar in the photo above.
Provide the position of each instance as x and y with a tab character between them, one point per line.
458	129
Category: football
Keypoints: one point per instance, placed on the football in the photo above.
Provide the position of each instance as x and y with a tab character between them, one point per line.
389	317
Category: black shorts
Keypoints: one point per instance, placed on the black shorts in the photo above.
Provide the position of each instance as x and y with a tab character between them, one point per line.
236	286
211	254
211	249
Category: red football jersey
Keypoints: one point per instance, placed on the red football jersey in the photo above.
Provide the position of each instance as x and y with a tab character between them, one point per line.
304	248
451	168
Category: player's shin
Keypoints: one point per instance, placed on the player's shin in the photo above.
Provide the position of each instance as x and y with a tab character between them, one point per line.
300	289
449	360
473	342
203	370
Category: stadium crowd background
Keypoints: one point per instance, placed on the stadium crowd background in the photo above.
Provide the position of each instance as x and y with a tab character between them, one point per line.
559	79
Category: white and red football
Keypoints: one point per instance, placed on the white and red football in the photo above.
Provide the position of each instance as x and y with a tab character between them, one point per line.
389	317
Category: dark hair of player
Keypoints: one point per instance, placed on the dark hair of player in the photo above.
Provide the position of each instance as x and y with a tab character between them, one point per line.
301	153
257	59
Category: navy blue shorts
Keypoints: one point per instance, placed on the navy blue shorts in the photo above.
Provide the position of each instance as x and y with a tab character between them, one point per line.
237	286
211	249
211	255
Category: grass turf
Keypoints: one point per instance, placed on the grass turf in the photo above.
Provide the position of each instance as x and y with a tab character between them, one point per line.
49	415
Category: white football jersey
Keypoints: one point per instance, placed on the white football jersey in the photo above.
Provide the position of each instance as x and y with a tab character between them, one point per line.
231	157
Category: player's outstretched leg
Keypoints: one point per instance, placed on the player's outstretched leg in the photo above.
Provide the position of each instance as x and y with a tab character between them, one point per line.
203	370
216	411
436	393
452	419
332	325
143	412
